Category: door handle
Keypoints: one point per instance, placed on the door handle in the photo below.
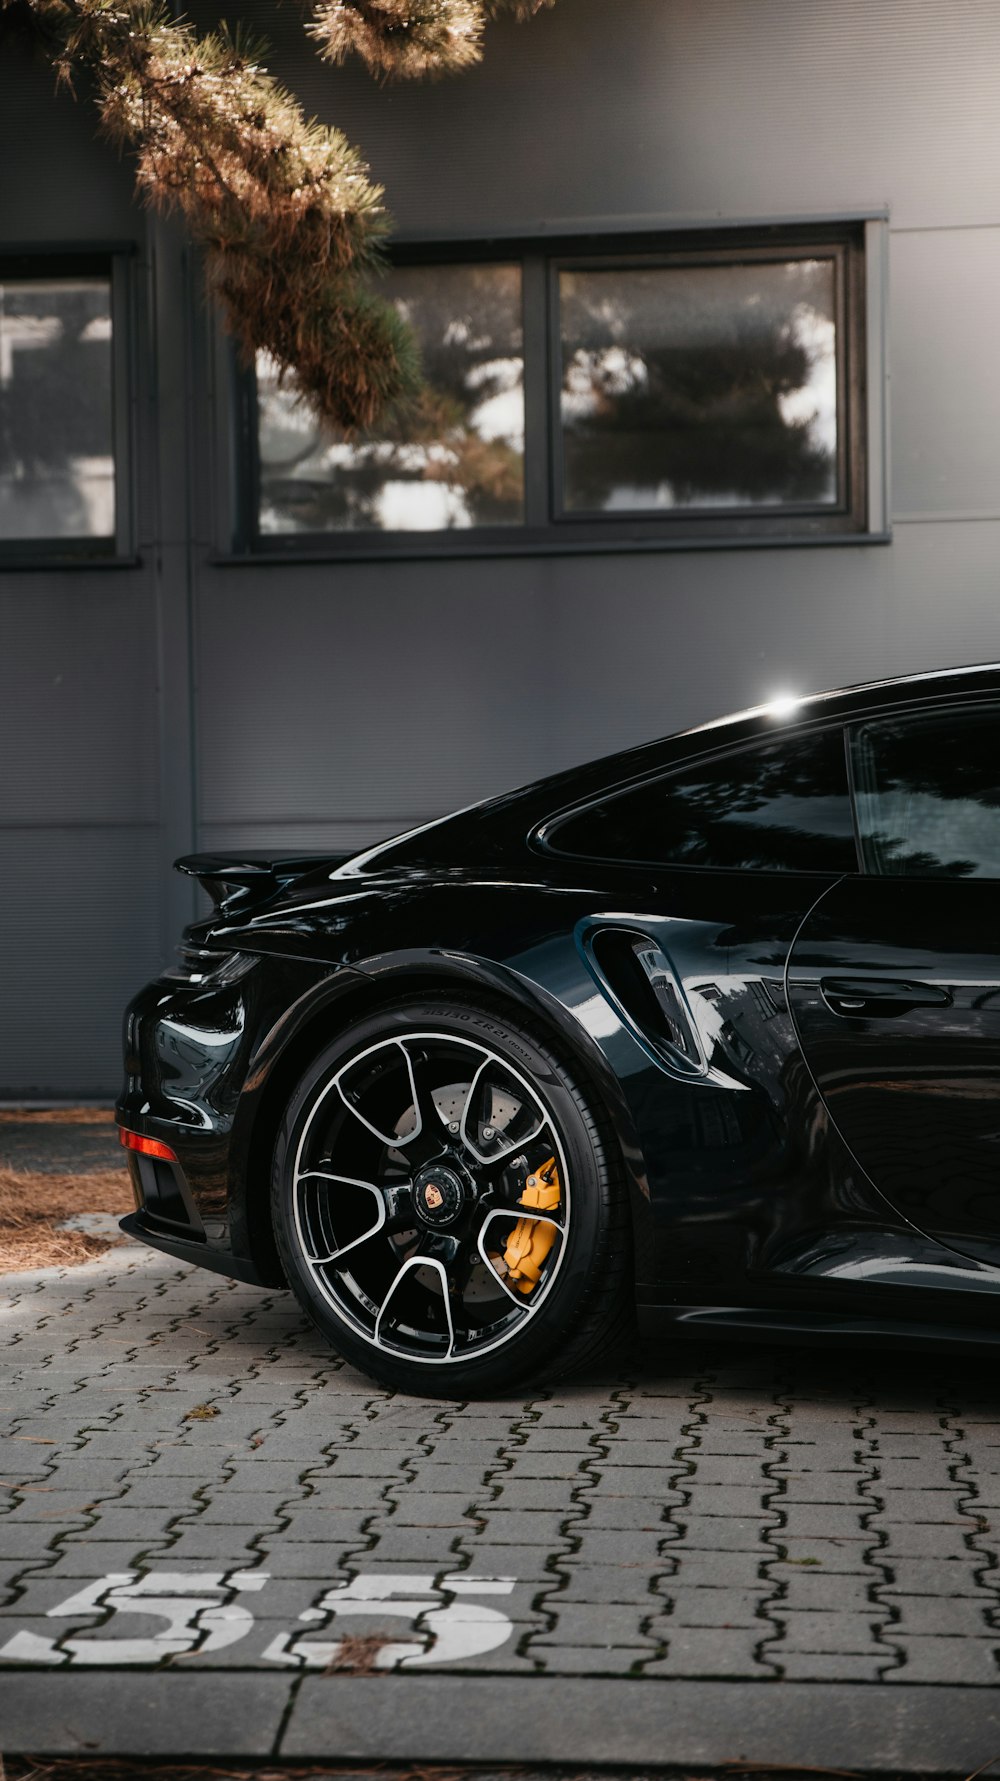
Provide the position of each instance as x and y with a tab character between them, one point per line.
867	998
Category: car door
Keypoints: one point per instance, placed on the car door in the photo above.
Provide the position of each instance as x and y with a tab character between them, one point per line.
708	869
894	976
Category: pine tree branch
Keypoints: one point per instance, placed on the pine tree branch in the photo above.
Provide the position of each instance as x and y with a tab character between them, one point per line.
287	218
288	221
409	39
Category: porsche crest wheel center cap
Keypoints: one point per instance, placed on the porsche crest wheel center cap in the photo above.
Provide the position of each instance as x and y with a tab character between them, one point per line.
438	1195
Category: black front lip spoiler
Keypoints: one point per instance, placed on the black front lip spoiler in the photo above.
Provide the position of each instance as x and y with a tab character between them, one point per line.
185	1249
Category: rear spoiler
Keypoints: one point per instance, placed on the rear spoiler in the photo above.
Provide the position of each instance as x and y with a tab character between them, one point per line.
238	880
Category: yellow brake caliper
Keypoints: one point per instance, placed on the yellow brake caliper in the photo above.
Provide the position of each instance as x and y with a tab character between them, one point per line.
530	1240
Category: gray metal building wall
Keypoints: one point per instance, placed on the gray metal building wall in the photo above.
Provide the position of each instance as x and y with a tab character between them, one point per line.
190	700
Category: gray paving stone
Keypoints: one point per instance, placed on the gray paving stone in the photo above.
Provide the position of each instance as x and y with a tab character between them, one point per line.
310	1523
714	1570
556	1495
940	1540
684	1607
650	1481
308	1560
941	1577
634	1452
367	1462
985	1492
529	1563
969	1662
546	1438
827	1666
825	1520
49	1505
601	1625
938	1616
820	1487
719	1533
812	1589
704	1651
728	1500
89	1559
591	1660
66	1713
416	1511
29	1540
222	1546
616	1514
599	1583
116	1523
940	1506
424	1548
732	1470
828	1629
241	1508
434	1471
521	1527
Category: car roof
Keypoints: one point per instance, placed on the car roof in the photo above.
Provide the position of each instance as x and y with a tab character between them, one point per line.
525	806
897	689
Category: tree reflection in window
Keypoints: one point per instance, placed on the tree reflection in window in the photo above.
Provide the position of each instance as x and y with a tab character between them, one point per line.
928	795
453	458
57	467
699	386
780	807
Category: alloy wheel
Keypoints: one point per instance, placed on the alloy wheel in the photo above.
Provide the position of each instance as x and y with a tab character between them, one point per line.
431	1197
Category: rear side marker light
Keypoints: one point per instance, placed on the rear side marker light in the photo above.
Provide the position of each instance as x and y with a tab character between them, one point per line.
146	1146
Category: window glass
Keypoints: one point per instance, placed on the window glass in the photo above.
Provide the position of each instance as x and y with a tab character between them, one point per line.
707	386
453	459
928	795
57	468
780	807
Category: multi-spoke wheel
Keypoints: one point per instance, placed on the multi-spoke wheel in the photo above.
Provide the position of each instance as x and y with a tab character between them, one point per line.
444	1205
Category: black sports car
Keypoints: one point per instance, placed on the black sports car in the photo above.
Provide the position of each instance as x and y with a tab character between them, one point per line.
708	1031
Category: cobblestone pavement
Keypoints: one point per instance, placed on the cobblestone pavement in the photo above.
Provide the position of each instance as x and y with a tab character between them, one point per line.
195	1485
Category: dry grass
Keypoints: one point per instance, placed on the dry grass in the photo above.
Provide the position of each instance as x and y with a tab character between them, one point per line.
56	1115
33	1204
357	1655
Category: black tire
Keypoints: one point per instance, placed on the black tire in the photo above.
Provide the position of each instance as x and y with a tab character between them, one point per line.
584	1311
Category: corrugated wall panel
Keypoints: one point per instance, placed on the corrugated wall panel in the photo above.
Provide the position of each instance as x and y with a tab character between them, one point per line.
725	108
946	371
78	698
82	855
79	908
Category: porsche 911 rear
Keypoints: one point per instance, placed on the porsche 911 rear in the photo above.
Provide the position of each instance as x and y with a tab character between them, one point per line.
709	1030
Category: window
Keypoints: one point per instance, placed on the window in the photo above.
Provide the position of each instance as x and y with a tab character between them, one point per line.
699	387
454	460
59	445
662	390
781	807
927	791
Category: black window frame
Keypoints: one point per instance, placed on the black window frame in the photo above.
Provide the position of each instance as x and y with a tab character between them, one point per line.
114	262
541	836
547	527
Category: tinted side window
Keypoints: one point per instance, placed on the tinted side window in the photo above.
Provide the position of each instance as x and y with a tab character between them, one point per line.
783	806
928	795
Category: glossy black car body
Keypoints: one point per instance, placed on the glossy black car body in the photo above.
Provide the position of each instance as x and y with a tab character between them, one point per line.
800	1066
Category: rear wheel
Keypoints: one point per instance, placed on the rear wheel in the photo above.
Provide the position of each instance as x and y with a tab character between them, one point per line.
447	1206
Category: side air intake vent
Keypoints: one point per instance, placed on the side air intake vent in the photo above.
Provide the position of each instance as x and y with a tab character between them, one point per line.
640	981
